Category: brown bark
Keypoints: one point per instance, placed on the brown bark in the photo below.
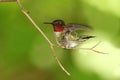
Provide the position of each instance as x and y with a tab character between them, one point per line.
8	0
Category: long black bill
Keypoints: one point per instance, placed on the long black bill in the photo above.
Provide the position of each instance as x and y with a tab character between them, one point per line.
47	23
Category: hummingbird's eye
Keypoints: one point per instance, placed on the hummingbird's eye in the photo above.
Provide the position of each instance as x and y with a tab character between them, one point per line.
58	23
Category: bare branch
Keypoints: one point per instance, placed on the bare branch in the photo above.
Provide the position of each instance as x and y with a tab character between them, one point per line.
58	62
8	0
26	13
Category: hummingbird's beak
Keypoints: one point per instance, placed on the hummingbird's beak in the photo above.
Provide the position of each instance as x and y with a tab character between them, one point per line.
47	23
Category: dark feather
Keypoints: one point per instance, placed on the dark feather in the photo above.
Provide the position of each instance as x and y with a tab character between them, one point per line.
88	37
73	27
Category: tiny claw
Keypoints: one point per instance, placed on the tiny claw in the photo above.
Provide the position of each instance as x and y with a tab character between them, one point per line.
55	45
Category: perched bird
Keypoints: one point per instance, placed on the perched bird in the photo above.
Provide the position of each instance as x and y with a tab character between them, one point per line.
66	35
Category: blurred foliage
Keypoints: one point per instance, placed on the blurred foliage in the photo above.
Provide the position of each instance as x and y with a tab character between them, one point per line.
26	55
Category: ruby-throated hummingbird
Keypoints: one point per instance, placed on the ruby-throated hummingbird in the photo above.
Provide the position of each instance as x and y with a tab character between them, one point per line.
66	35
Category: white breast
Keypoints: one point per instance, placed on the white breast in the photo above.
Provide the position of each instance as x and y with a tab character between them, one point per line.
57	34
58	38
68	42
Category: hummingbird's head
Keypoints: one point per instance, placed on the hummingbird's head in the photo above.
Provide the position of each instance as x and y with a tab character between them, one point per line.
58	25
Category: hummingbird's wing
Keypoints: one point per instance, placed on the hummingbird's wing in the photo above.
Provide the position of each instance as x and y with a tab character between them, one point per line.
72	27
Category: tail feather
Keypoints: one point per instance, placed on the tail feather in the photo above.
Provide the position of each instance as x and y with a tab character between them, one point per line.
85	38
88	37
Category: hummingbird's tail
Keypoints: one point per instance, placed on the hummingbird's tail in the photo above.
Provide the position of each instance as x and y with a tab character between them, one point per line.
88	37
84	38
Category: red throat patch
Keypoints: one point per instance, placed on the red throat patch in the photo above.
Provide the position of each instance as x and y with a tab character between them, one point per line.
58	29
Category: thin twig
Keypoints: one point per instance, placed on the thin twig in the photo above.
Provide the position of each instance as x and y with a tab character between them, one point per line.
92	49
8	0
26	13
96	45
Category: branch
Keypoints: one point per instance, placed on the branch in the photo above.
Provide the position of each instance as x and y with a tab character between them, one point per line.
93	49
8	0
26	13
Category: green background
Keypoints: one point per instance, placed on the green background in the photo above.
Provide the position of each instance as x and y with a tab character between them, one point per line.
26	55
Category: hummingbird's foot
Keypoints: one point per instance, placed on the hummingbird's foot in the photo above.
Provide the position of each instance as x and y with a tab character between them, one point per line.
55	45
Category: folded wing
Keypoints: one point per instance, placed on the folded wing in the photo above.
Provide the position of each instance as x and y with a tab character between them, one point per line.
74	27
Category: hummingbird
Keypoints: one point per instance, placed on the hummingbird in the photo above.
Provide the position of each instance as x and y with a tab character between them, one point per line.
66	35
